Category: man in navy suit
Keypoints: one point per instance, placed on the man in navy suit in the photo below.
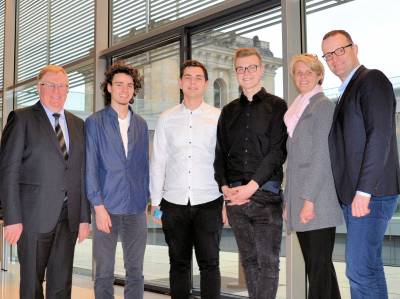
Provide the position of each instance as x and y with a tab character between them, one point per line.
42	189
365	161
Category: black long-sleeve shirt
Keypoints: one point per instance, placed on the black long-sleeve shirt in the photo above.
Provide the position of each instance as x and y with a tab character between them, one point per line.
251	140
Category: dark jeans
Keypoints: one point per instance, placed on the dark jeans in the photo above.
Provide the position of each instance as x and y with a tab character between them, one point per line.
257	226
317	248
51	253
132	230
200	227
364	266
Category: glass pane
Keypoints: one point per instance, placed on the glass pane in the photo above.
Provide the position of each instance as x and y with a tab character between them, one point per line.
133	17
159	70
57	32
377	49
215	49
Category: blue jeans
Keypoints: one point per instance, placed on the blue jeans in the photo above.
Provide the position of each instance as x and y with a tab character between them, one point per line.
364	266
132	230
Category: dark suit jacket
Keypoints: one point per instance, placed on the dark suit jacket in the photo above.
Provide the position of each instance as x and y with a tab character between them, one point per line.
34	175
362	141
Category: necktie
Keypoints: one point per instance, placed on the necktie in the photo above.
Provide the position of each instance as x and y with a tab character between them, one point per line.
60	135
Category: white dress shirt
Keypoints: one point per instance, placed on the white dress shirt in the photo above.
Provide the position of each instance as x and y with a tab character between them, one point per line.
181	166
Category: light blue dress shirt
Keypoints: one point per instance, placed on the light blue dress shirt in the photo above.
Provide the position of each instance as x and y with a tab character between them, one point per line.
63	123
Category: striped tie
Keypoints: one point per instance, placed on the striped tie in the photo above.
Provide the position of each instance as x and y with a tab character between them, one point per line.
60	135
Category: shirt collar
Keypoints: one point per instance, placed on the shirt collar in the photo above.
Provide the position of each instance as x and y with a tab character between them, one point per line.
199	109
111	112
346	82
257	97
50	113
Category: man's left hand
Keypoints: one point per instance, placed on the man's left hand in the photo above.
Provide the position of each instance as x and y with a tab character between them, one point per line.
359	207
84	231
243	193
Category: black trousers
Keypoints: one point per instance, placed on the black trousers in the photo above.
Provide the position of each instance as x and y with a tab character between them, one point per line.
51	253
317	247
200	227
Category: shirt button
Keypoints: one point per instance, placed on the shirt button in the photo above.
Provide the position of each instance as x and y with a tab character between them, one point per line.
246	139
190	142
190	157
245	162
247	126
245	150
247	114
189	171
190	126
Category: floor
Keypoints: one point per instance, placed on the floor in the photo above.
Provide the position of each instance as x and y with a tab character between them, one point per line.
82	286
156	272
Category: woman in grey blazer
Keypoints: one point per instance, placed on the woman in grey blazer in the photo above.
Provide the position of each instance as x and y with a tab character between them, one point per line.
311	205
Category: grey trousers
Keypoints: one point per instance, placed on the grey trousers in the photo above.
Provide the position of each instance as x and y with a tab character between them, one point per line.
257	227
132	232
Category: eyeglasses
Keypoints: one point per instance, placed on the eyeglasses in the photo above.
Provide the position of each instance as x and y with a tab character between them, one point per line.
252	68
54	86
338	52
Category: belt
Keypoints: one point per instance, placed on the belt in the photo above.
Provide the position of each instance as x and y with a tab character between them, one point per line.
270	186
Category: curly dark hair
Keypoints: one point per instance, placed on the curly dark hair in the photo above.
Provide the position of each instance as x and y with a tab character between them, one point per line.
117	68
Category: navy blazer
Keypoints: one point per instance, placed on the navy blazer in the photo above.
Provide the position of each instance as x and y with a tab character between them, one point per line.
362	140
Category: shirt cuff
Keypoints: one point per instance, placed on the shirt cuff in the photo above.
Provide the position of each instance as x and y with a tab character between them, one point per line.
155	201
363	194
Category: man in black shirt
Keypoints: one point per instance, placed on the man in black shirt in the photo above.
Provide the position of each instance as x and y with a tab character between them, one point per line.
248	163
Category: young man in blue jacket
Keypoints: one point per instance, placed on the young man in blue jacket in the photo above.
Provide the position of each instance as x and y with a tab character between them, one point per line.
117	180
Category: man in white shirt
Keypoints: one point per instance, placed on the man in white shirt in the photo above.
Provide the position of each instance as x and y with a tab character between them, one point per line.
182	185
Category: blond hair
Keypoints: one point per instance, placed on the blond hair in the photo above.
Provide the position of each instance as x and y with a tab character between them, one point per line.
246	52
51	68
312	61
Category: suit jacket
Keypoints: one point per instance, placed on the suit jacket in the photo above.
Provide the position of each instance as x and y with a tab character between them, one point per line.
35	178
308	172
362	141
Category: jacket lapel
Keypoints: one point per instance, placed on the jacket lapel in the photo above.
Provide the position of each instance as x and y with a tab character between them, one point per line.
346	92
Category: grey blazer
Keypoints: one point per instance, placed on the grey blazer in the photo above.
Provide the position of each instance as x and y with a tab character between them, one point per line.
308	173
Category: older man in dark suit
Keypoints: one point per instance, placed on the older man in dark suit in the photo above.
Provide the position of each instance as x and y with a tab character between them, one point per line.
365	161
41	188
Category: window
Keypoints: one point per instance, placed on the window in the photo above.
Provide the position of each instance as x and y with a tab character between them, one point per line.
57	32
130	18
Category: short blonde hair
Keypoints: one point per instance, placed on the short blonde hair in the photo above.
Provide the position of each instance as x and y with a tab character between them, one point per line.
312	61
51	68
246	52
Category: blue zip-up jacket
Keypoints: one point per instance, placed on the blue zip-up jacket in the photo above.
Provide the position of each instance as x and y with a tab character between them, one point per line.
120	183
